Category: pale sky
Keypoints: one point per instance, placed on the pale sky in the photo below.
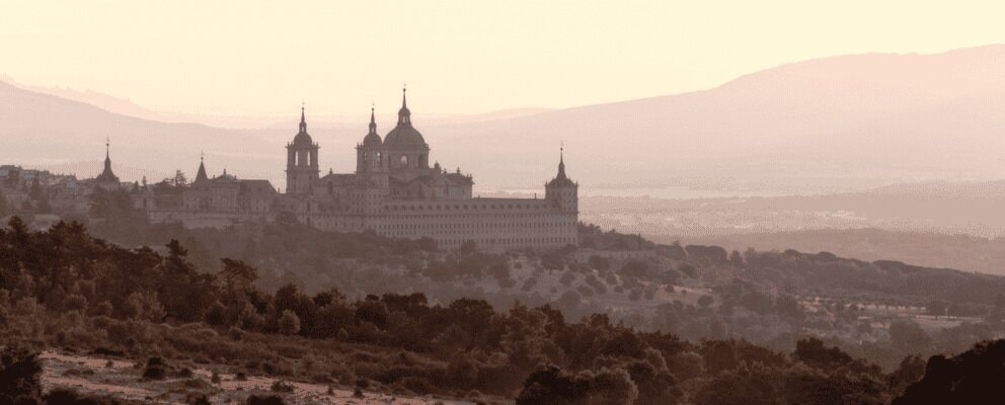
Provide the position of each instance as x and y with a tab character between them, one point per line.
248	58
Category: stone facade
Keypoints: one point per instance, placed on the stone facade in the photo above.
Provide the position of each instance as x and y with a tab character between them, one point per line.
394	192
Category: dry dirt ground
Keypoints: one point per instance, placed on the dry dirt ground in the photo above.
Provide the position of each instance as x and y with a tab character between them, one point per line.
122	379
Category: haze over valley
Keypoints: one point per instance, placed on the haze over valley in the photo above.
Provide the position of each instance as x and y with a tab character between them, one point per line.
842	143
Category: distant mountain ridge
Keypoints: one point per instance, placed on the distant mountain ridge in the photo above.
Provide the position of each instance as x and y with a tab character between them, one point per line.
838	124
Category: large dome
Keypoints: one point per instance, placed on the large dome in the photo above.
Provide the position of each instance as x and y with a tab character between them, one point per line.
404	135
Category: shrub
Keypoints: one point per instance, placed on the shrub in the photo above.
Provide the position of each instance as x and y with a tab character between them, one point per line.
567	278
200	399
19	372
78	371
529	284
282	386
155	373
265	400
289	323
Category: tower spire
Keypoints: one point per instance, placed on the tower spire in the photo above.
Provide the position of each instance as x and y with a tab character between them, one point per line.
107	175
404	116
200	175
373	121
561	160
303	120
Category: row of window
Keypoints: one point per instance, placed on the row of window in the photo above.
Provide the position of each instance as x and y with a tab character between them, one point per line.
509	242
439	207
475	225
536	217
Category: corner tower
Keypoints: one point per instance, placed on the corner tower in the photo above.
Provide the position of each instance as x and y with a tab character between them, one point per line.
301	161
107	176
562	190
369	153
200	175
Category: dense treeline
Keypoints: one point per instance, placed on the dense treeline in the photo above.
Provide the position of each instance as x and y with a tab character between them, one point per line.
304	255
771	298
805	273
64	288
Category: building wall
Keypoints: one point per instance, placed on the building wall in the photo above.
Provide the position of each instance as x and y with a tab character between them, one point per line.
493	224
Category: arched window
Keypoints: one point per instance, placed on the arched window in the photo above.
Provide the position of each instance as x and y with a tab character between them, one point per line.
403	161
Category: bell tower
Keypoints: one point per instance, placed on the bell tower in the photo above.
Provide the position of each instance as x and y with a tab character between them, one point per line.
301	161
562	190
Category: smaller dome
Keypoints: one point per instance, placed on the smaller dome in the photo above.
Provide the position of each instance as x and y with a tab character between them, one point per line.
372	139
303	138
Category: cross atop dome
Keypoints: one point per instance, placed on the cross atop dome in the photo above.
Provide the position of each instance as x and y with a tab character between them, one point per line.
303	120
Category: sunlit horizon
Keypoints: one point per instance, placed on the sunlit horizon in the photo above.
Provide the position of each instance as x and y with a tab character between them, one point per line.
237	59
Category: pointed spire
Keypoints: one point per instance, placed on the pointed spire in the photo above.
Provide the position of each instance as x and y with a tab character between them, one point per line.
303	120
108	158
201	174
561	161
107	175
404	116
373	121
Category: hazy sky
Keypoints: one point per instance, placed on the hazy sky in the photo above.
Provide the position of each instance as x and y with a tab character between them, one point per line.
263	58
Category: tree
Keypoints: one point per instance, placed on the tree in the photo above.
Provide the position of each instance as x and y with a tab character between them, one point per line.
635	268
600	263
4	207
813	353
179	179
973	377
469	247
736	259
739	388
184	292
289	323
553	260
551	386
238	276
20	370
910	371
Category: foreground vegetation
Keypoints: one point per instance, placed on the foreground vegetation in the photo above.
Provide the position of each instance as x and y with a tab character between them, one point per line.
63	288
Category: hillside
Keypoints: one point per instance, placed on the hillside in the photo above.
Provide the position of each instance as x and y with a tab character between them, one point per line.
47	131
196	332
828	125
962	252
824	125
